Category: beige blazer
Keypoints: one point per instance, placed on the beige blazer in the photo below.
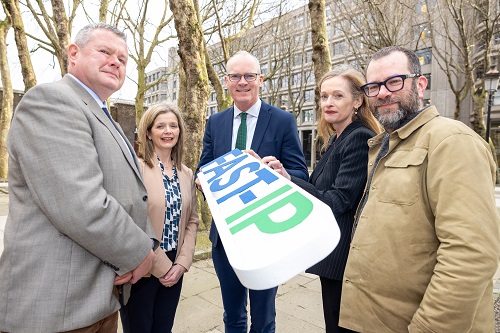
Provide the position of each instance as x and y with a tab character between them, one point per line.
188	227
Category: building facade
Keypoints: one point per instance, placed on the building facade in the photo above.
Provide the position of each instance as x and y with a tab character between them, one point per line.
284	49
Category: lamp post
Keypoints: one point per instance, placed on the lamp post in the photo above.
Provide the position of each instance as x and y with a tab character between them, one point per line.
491	78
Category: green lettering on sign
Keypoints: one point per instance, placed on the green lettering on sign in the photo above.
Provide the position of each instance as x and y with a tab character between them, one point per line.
303	207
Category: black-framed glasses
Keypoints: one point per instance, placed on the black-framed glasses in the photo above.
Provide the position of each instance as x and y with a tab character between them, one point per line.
393	84
249	77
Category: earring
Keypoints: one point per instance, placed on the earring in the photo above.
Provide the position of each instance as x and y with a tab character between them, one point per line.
356	110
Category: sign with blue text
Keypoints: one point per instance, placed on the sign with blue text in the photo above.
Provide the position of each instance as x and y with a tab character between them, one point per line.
271	228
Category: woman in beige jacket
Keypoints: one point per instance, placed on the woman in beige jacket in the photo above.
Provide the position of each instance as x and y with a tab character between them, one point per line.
172	210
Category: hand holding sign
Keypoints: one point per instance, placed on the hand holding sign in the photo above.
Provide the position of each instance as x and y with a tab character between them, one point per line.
270	227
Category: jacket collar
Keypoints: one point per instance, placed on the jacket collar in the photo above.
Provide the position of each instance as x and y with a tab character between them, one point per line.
404	132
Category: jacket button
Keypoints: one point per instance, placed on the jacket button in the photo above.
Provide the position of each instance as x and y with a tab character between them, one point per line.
145	198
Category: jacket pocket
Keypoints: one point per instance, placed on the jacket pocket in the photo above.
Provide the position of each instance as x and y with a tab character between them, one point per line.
403	175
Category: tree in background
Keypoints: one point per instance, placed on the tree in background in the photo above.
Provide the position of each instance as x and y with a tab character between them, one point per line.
28	73
322	62
194	92
462	42
7	93
56	26
145	37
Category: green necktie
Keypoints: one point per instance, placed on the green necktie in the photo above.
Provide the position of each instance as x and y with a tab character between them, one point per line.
241	138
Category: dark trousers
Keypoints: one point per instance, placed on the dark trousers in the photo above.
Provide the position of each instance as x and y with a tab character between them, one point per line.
234	299
151	306
331	291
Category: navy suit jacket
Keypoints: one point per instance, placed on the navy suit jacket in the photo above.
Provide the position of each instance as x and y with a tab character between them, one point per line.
339	180
275	134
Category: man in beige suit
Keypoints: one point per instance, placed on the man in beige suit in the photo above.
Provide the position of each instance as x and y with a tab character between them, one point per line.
77	222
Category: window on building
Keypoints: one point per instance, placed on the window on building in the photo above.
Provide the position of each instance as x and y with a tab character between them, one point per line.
299	21
307	116
339	48
264	68
296	79
425	56
163	97
213	97
174	96
297	39
274	83
297	59
265	51
309	57
329	30
309	76
174	84
309	95
284	82
308	38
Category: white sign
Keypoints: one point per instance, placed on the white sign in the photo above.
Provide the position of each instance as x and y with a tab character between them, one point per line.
271	228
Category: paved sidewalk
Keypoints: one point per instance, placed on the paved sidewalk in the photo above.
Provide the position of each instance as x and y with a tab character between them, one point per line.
298	303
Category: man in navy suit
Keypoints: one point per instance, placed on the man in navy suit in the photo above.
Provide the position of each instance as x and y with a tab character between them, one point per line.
270	131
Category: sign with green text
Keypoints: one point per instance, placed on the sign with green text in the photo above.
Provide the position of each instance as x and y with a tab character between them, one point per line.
271	229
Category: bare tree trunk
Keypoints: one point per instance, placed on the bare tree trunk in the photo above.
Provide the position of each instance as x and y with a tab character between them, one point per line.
103	10
7	96
321	53
192	55
62	31
29	79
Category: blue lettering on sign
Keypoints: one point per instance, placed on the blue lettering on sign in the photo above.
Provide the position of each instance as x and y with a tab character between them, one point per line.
261	219
262	175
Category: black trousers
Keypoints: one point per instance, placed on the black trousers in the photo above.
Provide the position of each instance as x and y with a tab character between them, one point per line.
151	307
331	291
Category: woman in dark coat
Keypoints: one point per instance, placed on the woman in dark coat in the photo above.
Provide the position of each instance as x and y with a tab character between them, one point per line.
346	124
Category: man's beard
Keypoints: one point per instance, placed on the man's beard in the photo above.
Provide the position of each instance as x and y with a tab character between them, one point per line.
391	120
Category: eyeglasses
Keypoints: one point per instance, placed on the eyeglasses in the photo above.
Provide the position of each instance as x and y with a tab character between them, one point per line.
249	77
393	84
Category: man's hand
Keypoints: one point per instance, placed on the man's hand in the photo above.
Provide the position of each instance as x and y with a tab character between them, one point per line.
198	184
173	275
123	279
144	267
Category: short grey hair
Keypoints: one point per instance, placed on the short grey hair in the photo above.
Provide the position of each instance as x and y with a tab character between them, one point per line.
246	54
84	35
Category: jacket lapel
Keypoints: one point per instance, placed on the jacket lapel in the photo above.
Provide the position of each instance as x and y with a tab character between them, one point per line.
224	145
261	126
116	132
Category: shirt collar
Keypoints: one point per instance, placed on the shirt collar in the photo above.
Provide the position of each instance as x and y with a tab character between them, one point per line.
102	104
253	111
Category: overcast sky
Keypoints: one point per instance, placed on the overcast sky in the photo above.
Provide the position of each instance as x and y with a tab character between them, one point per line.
47	68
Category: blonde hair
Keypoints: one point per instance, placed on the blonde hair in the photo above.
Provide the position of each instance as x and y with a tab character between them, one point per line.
146	148
355	80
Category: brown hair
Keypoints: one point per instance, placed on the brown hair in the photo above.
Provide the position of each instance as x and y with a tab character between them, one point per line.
146	148
355	80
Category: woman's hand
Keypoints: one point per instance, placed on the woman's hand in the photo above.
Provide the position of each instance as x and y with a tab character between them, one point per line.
276	165
173	275
271	162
